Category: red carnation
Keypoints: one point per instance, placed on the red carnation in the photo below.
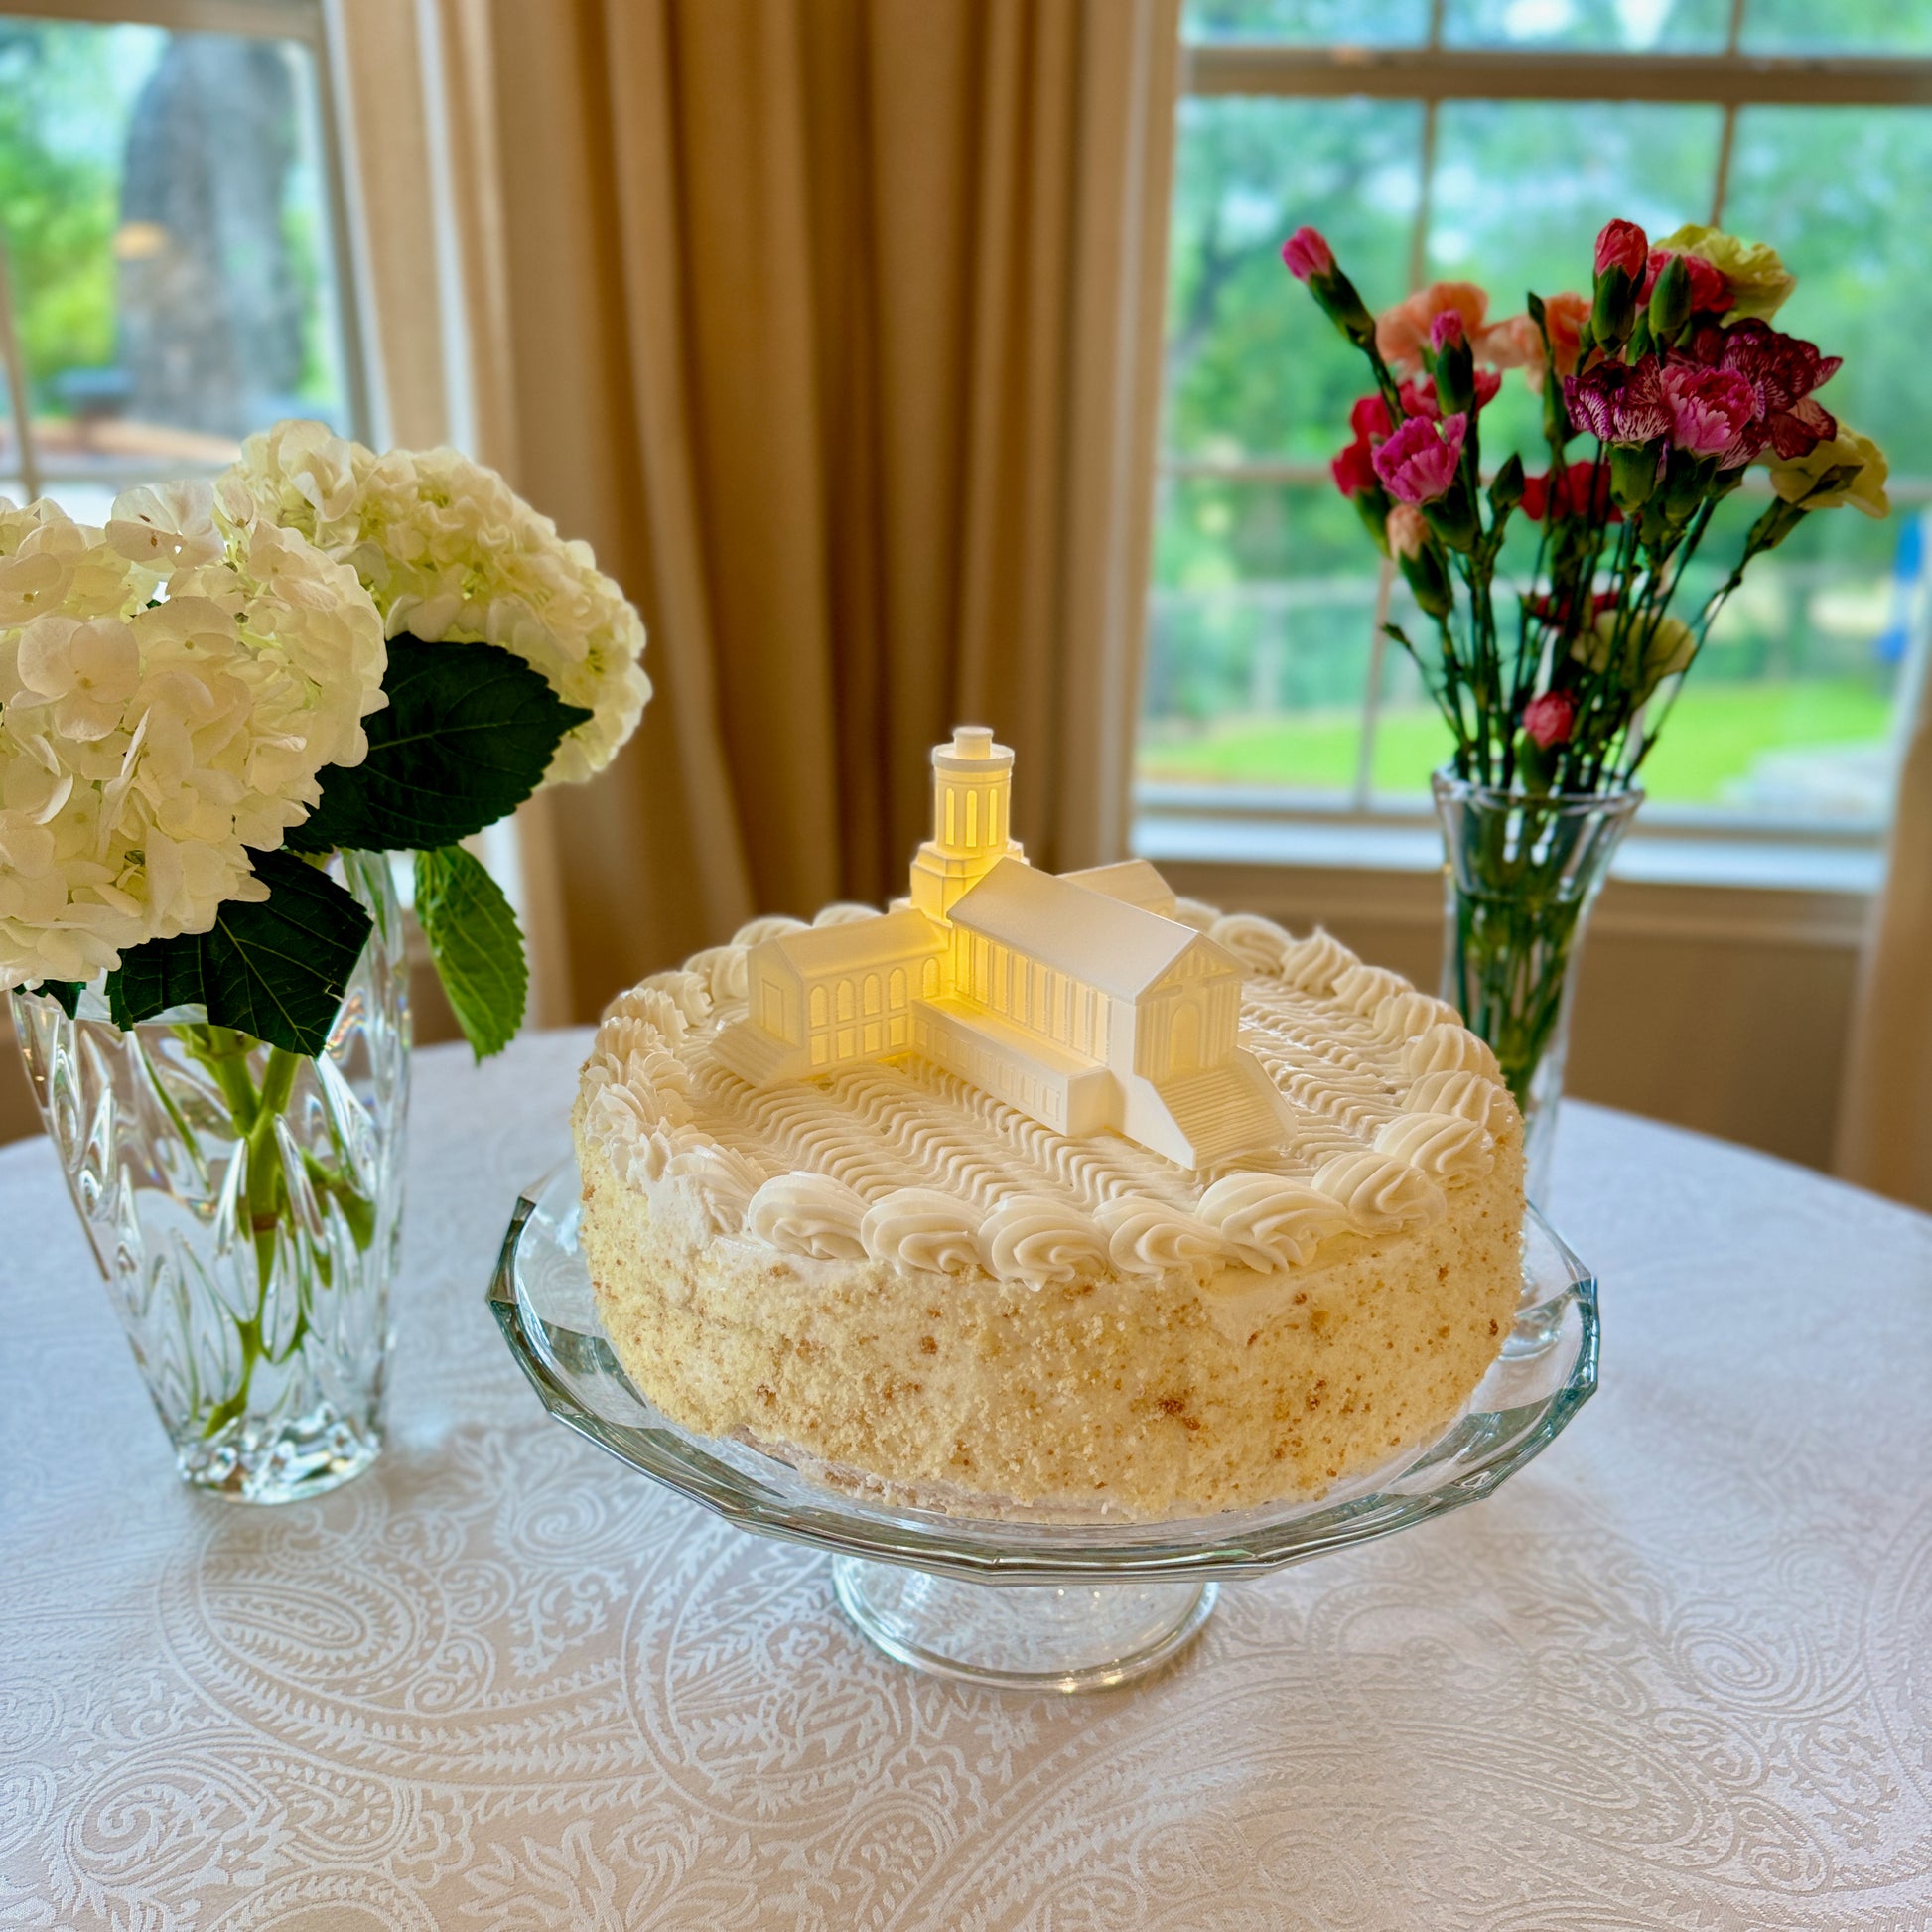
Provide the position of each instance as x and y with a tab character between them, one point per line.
1624	246
1353	468
1550	718
1709	289
1419	399
1308	254
1370	418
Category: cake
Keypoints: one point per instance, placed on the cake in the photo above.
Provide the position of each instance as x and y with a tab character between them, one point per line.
1058	1195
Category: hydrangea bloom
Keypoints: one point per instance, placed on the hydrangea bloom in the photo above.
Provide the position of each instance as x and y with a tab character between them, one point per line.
168	689
451	554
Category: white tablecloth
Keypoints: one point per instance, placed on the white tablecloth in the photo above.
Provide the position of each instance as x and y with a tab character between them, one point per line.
1676	1674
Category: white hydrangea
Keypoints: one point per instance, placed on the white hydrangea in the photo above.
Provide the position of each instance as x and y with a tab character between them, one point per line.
170	687
452	555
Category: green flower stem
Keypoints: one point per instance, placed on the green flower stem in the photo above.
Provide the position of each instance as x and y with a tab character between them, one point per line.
254	1114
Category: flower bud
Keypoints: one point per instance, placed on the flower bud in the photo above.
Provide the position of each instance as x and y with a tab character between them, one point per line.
1452	366
1308	254
1508	487
1452	518
1633	474
1670	300
1624	246
1426	574
1614	307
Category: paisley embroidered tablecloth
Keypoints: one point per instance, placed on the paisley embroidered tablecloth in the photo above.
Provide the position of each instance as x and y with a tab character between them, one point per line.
1676	1674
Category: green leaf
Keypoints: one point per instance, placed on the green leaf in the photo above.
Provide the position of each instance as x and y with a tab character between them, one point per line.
276	968
467	734
474	940
65	994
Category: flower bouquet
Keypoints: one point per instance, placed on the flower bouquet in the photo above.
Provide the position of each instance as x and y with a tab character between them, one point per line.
1672	373
218	716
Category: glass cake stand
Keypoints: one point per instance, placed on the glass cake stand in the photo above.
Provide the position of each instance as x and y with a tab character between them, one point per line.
1019	1603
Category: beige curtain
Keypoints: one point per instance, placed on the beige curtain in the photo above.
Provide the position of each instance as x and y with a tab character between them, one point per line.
834	326
1885	1138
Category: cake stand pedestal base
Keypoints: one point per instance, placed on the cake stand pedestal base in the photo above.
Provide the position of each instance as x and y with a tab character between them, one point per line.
1021	1636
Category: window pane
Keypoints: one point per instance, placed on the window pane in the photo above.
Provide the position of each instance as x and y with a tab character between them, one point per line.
1521	189
1258	647
172	263
1857	232
1352	23
1253	365
1842	27
1639	26
1788	711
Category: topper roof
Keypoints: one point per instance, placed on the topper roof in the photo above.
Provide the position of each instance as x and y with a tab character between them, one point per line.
1091	938
853	944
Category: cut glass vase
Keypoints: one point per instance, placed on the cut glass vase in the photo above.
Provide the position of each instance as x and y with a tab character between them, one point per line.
1521	872
245	1205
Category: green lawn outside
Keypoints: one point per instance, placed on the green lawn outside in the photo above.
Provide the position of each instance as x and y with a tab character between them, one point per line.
1715	736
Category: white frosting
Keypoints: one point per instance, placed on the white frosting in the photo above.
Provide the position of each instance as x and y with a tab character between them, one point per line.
722	969
1446	1147
1040	1240
1402	1014
921	1227
1382	1194
1448	1048
1313	964
1365	986
772	927
686	990
1473	1095
844	911
807	1214
1259	945
1147	1237
1271	1220
1391	1101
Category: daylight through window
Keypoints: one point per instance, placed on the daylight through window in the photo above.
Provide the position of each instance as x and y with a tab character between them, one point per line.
1487	140
170	267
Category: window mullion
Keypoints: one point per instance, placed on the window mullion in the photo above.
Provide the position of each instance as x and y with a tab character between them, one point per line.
15	375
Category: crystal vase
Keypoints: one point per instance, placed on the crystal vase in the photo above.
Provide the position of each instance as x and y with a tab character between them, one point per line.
245	1204
1521	872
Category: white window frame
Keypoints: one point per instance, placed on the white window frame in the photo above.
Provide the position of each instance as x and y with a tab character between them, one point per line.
1683	844
309	23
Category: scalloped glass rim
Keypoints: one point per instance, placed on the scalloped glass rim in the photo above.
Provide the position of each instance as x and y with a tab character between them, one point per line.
542	1299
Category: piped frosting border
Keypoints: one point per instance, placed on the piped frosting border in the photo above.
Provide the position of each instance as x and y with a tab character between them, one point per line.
1374	1161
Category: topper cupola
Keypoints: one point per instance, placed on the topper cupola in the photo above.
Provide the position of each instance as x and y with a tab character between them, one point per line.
972	798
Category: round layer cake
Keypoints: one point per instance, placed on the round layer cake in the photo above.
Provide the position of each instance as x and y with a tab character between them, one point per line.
895	1280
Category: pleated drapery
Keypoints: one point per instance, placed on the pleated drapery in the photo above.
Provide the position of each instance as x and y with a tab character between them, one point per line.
835	329
1884	1131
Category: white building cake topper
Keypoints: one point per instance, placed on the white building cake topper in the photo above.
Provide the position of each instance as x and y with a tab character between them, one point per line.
1078	999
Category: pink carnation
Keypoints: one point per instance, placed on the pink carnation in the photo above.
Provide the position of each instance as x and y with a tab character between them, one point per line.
1308	254
1550	718
1624	246
1418	463
1446	330
1708	408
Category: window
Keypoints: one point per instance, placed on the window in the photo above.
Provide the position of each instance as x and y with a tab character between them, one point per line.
1488	139
171	267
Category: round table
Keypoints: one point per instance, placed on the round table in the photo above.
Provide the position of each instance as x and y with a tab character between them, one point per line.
1678	1673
